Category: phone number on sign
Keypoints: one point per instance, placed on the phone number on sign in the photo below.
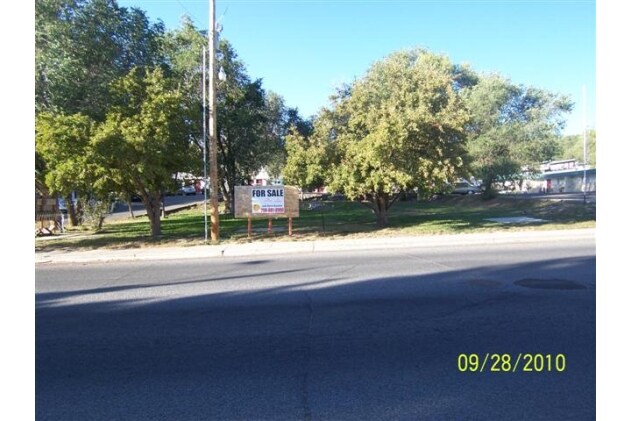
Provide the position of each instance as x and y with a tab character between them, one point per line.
272	210
508	363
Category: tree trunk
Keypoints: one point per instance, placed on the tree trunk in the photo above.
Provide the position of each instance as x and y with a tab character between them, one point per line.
381	209
227	198
130	207
489	191
72	212
152	204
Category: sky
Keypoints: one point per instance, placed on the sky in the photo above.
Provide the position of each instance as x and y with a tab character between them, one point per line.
303	49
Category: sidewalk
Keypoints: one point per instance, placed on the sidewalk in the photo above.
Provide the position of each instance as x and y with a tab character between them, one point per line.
290	247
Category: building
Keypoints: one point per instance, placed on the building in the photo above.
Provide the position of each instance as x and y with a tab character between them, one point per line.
262	178
561	177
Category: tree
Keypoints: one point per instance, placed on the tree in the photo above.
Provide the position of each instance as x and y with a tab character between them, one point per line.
144	139
571	147
399	127
183	49
247	124
281	122
251	122
306	161
63	141
82	46
512	127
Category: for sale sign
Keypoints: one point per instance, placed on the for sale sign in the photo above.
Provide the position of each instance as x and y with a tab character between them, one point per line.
268	200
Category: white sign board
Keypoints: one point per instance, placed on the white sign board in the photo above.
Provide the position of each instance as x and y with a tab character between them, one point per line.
268	200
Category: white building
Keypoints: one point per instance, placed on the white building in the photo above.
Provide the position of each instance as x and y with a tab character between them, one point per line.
262	178
564	176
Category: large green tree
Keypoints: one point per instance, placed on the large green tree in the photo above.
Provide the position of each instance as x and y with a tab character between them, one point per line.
82	46
399	127
307	160
183	50
249	124
65	142
512	128
144	139
140	89
571	147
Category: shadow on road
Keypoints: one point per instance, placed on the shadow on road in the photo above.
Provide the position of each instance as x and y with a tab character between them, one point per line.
335	348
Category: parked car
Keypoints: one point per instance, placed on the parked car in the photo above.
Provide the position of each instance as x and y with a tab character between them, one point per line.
464	187
186	190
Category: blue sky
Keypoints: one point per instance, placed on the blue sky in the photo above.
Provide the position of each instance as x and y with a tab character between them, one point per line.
302	49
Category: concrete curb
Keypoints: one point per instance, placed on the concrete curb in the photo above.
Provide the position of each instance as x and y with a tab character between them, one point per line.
291	247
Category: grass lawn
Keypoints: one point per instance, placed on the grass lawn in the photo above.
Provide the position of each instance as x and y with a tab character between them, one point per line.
337	219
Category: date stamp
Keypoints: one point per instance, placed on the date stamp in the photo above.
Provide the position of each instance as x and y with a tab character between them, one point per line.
510	363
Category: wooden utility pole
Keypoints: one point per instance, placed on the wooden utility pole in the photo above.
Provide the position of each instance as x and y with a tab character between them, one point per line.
584	145
212	125
205	138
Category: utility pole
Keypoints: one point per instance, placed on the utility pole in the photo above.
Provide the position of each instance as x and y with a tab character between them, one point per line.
584	145
205	139
212	125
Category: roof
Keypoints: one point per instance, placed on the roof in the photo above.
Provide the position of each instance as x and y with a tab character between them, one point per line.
565	173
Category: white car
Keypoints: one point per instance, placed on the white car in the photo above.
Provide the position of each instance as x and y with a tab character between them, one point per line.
186	190
464	187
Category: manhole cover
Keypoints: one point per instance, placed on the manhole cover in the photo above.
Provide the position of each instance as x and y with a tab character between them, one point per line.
549	284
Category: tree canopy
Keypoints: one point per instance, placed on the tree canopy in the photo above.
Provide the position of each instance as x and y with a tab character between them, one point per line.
144	141
399	127
251	124
119	109
571	147
119	105
82	46
512	127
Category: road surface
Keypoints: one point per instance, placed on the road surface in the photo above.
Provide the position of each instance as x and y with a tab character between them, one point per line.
373	334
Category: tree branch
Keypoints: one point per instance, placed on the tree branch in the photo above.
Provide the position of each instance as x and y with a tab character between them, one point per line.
394	199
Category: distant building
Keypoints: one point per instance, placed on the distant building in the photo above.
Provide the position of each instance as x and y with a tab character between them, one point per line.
262	178
564	176
564	165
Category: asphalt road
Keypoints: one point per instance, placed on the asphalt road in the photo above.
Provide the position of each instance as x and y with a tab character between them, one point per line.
334	336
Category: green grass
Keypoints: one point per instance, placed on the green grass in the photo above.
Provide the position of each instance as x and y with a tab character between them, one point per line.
338	219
